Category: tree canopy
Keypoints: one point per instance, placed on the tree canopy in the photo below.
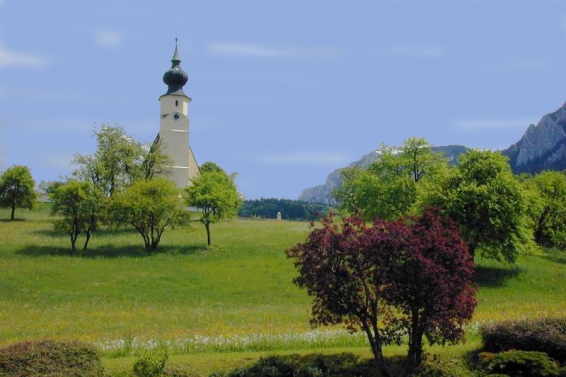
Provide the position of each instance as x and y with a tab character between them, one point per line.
17	189
411	276
214	192
389	187
119	160
79	204
546	207
150	207
486	201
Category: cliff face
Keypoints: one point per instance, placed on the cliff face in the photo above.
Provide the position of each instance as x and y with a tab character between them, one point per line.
323	193
542	147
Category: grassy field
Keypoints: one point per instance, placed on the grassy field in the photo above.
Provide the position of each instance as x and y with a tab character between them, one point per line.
213	308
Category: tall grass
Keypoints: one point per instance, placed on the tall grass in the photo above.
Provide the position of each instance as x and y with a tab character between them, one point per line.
236	296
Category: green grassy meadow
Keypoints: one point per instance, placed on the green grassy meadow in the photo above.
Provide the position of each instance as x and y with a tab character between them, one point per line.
212	308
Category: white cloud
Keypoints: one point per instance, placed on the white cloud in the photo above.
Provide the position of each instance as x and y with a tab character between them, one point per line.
19	59
492	124
303	158
108	38
256	51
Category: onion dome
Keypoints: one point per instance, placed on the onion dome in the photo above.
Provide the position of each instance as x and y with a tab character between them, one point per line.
175	78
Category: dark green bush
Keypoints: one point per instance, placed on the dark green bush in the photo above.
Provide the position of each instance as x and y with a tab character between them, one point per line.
271	367
520	364
50	358
544	335
312	365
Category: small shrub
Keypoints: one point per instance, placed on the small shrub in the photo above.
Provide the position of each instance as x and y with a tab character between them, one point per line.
49	358
521	363
151	363
544	335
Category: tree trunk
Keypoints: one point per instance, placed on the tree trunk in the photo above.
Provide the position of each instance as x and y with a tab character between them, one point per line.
207	226
86	240
73	241
13	211
375	344
415	354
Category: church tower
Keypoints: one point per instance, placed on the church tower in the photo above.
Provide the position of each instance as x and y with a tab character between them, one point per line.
174	125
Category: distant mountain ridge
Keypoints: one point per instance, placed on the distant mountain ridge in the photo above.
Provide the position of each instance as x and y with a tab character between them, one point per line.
542	147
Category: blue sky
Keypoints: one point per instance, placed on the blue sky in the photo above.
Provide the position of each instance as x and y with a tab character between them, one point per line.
284	92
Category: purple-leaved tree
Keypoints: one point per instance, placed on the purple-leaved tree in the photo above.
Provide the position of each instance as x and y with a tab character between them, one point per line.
411	276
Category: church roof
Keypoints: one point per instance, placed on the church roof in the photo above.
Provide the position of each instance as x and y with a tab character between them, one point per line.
175	78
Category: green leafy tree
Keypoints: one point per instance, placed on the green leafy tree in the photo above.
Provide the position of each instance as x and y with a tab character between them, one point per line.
150	207
17	189
390	187
80	205
484	198
215	194
358	191
119	160
546	207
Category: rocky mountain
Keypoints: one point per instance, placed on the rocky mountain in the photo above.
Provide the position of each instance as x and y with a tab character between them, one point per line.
323	193
542	147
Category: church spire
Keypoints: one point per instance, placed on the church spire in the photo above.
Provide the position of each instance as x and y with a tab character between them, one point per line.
176	54
175	78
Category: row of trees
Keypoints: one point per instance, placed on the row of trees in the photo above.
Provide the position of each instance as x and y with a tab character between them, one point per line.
499	215
124	184
290	209
400	262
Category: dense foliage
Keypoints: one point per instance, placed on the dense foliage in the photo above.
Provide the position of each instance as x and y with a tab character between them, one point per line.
546	207
487	202
546	335
411	276
389	188
149	207
122	183
310	365
17	189
289	209
119	160
48	358
520	363
480	193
